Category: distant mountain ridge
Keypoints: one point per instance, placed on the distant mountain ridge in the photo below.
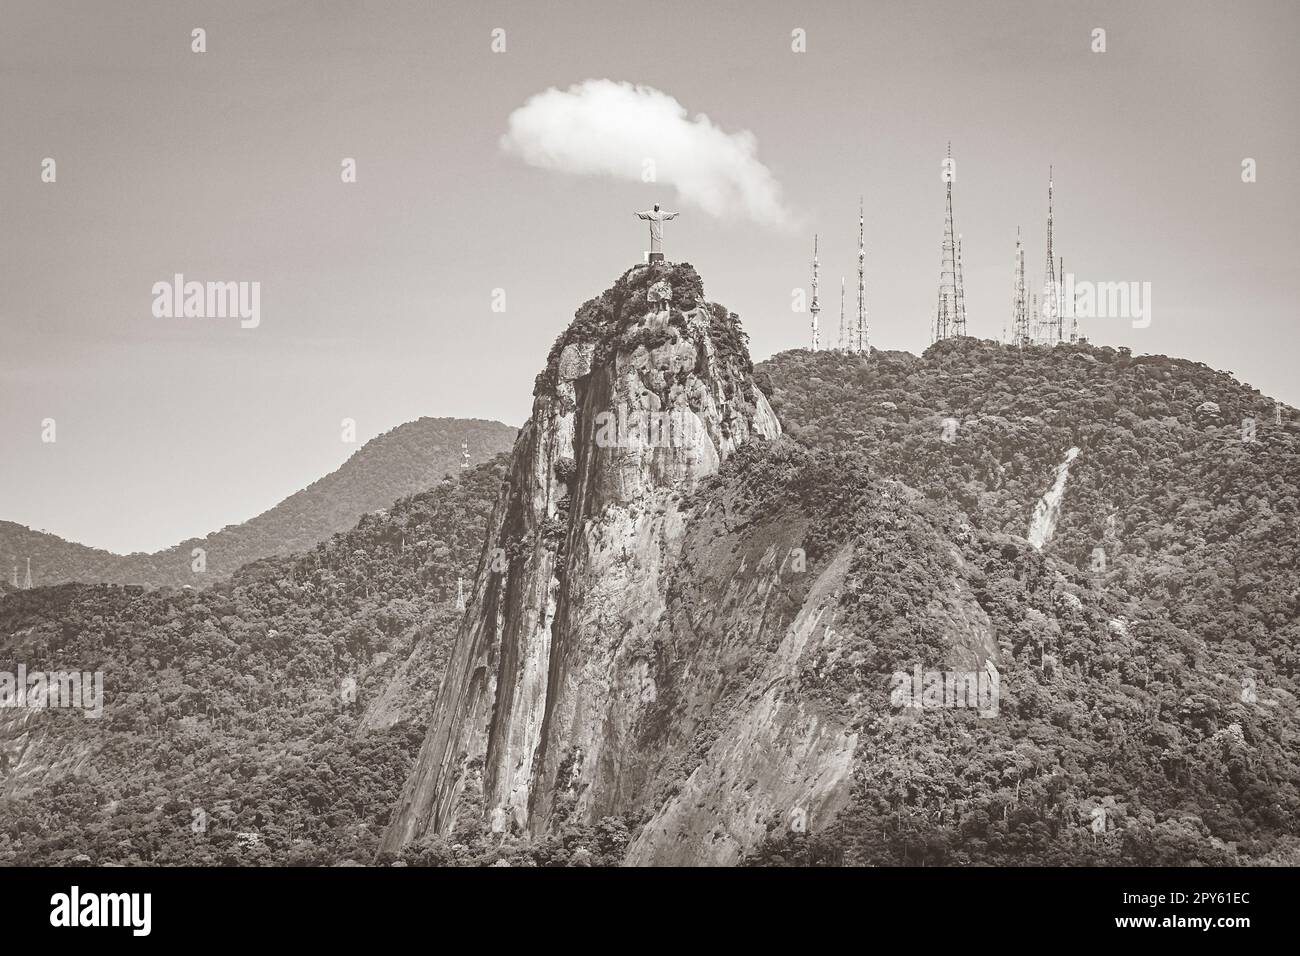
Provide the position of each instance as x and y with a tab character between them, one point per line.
287	700
402	461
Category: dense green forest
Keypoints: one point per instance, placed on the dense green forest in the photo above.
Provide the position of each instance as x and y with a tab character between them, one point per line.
285	705
402	461
1153	689
1166	501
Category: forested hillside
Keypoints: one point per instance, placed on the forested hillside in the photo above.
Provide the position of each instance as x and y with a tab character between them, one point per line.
1166	501
1171	719
399	462
269	719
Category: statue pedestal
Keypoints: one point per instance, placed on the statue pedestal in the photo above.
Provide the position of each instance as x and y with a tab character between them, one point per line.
655	257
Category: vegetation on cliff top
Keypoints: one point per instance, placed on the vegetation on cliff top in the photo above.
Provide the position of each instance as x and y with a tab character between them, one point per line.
606	321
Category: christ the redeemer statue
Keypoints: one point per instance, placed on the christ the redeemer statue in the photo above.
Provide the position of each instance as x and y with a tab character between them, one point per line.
657	219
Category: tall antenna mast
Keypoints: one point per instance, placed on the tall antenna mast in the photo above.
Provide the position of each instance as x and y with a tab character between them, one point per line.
816	305
844	332
1074	316
959	313
1050	293
1019	300
464	453
860	335
1060	298
946	319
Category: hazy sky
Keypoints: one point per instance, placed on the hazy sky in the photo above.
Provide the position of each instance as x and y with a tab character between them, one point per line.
376	296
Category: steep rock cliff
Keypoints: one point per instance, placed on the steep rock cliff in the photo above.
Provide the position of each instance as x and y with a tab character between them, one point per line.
645	394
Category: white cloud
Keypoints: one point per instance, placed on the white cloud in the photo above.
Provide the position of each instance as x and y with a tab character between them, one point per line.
600	127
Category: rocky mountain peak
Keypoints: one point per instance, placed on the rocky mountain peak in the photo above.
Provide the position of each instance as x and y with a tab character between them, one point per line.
646	392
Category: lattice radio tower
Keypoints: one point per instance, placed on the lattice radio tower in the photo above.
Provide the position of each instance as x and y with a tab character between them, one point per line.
860	332
844	330
816	305
950	316
1019	299
959	316
1050	318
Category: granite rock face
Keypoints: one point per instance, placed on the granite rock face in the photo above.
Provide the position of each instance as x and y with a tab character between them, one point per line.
538	716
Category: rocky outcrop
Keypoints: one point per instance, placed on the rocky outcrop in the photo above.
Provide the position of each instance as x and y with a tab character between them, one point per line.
1048	508
645	394
775	755
38	744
